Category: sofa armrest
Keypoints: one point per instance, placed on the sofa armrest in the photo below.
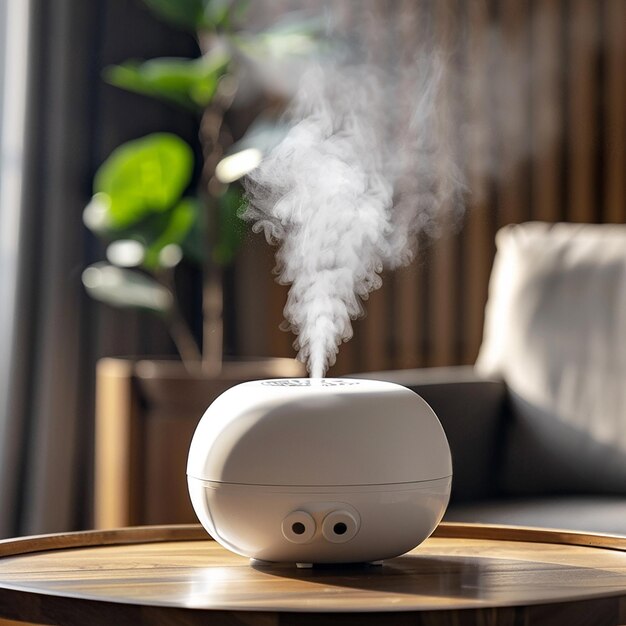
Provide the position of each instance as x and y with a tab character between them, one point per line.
473	411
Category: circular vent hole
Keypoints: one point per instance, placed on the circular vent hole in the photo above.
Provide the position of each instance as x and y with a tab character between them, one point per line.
298	528
340	528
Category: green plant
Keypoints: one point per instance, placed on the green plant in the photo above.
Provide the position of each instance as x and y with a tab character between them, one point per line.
142	205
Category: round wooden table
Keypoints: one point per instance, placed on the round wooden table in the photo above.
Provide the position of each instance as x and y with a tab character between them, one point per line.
463	574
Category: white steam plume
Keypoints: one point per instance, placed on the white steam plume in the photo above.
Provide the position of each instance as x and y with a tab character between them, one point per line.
325	194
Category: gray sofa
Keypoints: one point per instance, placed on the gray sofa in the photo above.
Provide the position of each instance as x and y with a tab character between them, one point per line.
537	427
508	469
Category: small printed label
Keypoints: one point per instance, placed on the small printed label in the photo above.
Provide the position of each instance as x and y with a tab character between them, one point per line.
307	382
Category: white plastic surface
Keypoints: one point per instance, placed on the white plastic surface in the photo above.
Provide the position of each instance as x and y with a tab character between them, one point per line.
319	433
330	471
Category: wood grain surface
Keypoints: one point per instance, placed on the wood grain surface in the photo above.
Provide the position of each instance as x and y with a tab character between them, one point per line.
464	574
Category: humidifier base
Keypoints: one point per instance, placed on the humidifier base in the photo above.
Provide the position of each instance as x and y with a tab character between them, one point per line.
267	565
320	525
326	565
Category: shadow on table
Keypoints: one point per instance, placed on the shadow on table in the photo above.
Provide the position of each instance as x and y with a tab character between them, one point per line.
474	577
408	574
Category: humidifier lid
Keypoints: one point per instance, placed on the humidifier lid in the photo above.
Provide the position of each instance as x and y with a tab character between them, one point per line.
329	432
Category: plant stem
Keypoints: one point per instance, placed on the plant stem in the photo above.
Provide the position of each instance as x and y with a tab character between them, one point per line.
184	341
212	291
213	324
178	328
211	127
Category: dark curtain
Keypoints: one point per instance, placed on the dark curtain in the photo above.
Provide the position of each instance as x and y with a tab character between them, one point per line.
73	121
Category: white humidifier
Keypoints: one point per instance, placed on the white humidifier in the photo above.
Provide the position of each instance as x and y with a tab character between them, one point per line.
319	470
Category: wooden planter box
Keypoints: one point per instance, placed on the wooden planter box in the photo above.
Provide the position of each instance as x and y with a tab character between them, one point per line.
146	414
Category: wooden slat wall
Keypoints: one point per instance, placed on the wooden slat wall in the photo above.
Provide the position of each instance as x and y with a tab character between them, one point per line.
581	115
540	106
545	104
613	91
477	231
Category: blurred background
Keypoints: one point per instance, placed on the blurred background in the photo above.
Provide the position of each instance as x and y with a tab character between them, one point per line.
539	106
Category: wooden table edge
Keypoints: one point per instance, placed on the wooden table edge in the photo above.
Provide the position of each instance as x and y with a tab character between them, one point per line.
109	537
41	602
194	532
449	530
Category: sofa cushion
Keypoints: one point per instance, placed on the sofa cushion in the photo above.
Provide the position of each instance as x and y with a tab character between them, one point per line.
555	331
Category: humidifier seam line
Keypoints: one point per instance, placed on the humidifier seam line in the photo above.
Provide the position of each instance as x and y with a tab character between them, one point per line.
343	485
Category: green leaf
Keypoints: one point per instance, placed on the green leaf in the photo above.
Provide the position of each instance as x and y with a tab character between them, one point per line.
180	221
297	23
240	9
144	176
185	13
190	83
183	226
216	13
231	227
293	36
126	288
195	243
197	14
262	136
